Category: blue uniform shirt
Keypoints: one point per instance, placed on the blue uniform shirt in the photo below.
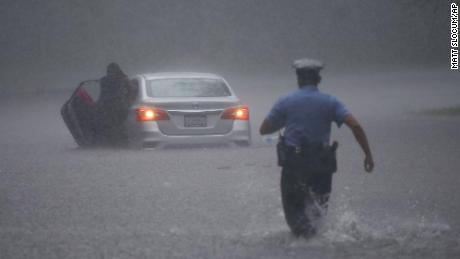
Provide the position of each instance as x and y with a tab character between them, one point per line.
307	115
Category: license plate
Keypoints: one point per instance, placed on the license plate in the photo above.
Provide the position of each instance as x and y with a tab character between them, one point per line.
195	121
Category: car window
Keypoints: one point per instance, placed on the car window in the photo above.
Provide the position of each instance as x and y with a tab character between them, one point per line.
187	87
92	88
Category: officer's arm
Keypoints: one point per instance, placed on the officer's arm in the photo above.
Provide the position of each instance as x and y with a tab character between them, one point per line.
267	128
361	138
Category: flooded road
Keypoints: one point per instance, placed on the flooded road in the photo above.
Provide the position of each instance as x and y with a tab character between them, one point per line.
59	201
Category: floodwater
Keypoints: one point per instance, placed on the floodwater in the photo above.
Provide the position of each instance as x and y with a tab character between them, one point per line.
59	201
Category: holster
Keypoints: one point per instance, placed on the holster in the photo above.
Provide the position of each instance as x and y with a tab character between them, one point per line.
317	158
282	151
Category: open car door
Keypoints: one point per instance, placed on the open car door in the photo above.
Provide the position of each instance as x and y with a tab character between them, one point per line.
80	113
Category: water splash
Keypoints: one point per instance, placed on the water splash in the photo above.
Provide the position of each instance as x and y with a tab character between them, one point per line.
348	230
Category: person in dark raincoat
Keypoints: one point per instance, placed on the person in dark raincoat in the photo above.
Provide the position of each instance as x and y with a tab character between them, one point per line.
113	104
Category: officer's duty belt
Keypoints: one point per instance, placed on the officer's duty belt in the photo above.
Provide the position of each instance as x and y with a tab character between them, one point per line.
311	148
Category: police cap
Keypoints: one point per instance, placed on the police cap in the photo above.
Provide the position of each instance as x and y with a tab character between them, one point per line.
307	65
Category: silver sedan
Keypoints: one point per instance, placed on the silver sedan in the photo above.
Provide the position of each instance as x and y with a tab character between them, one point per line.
177	108
168	109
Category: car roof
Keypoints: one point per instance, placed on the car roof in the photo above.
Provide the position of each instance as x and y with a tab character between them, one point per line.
165	75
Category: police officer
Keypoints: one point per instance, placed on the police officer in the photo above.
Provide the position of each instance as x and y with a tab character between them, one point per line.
307	159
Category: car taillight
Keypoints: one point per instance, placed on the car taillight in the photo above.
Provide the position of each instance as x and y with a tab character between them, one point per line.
236	113
151	114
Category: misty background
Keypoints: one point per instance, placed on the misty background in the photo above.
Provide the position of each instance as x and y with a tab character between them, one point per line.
53	45
388	61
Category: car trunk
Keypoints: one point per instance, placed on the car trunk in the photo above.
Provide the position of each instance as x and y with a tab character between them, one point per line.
197	116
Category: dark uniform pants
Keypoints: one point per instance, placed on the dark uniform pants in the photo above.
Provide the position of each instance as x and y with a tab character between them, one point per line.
305	193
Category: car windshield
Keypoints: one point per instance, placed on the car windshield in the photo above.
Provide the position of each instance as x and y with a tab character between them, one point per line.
187	87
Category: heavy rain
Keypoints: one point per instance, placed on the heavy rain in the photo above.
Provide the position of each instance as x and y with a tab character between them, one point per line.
387	61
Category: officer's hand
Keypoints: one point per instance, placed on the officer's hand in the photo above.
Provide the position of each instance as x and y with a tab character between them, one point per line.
368	164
